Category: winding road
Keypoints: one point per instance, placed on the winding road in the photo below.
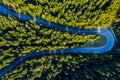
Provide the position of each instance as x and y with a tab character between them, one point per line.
102	49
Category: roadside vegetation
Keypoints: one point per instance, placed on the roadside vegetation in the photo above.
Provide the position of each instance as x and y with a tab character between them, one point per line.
20	38
86	14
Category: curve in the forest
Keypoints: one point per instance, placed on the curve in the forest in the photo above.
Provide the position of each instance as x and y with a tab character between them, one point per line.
102	49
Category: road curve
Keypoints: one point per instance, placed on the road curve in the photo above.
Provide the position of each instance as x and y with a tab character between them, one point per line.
102	49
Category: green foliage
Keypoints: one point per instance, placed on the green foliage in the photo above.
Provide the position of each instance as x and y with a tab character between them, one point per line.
68	67
76	13
19	39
